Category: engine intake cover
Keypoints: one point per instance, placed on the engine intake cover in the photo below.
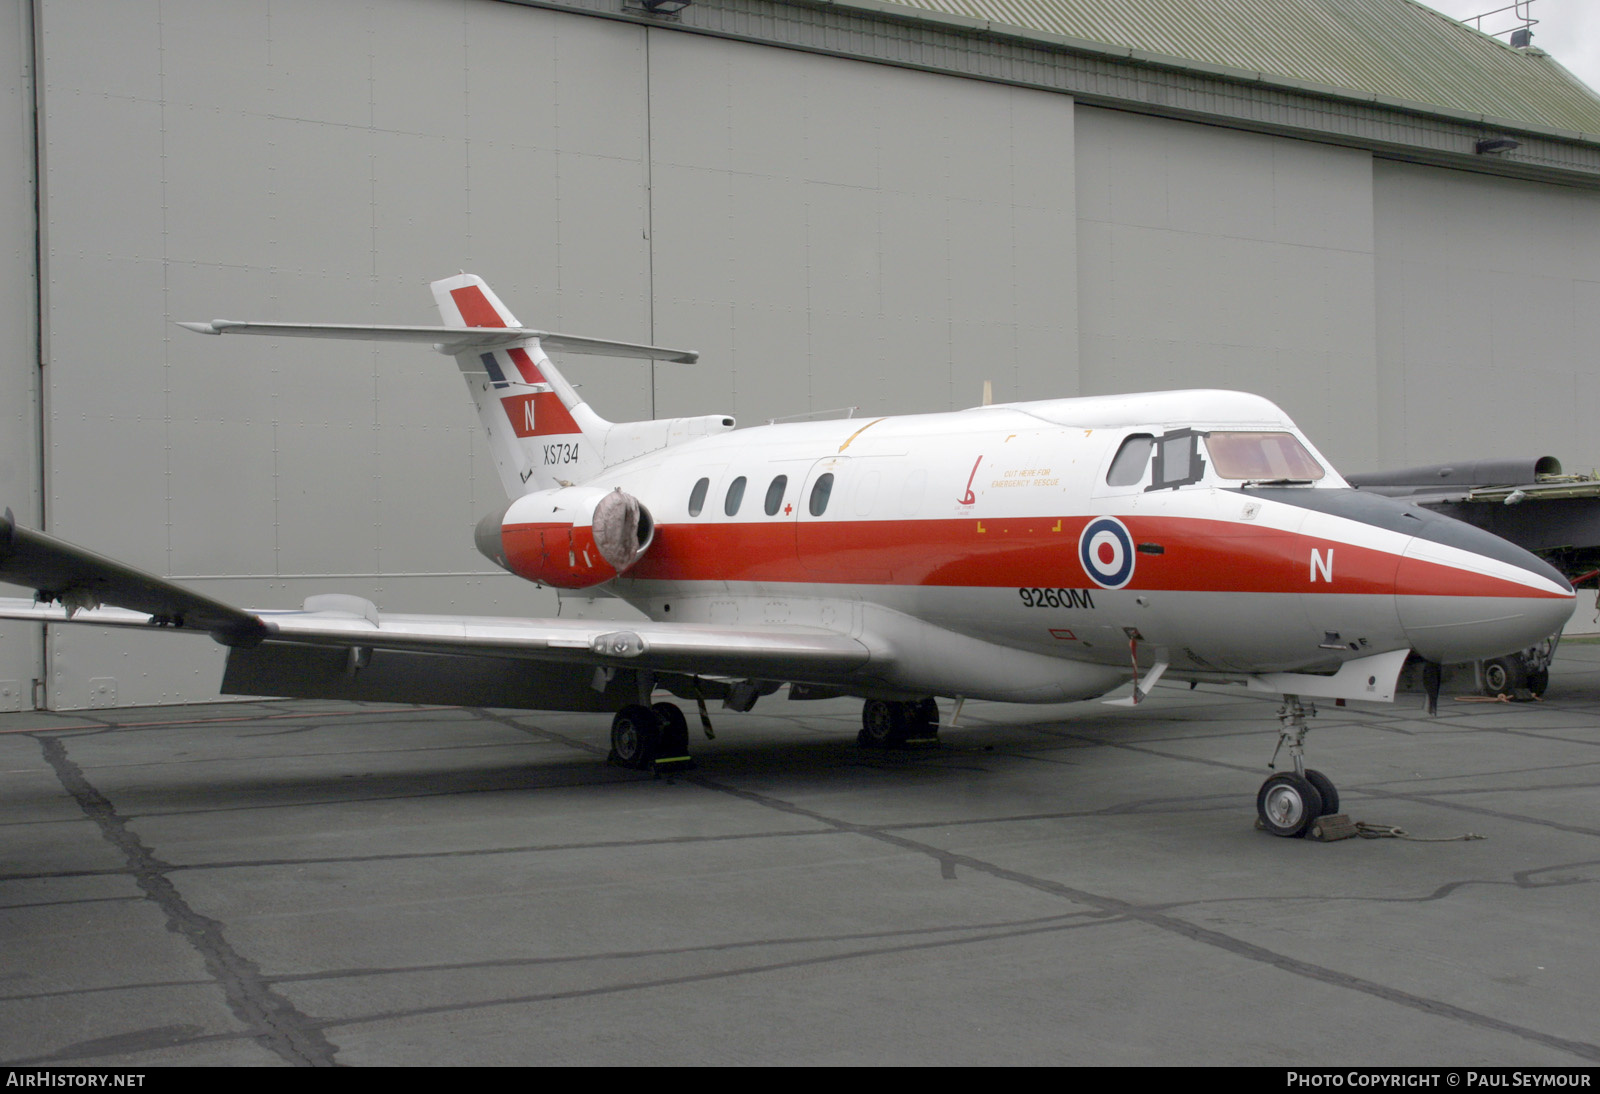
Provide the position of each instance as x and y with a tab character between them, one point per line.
574	537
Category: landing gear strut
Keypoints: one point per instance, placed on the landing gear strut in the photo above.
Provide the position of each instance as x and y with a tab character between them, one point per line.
886	724
1289	803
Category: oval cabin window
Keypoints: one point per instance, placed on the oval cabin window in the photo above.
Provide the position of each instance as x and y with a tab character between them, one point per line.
775	494
735	495
697	497
820	490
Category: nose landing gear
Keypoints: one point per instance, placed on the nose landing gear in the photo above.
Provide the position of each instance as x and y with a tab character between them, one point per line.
1289	803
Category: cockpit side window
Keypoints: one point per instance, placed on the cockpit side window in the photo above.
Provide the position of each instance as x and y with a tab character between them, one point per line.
1264	457
1127	466
1178	461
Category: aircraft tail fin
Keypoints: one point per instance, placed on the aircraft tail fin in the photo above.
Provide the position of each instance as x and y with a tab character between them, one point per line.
541	432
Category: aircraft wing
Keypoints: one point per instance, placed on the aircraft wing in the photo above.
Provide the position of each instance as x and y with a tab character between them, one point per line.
70	581
783	652
78	586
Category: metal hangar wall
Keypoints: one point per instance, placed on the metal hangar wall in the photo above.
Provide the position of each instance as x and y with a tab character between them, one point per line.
838	204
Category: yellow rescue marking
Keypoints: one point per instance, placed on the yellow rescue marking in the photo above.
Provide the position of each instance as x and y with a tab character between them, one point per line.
981	528
858	433
1057	528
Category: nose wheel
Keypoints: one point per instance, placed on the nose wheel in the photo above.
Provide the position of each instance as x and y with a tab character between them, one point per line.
1289	803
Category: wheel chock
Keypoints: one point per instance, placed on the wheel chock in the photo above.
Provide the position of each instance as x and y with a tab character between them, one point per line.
1334	826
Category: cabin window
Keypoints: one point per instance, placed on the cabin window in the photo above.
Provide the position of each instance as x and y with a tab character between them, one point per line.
1178	461
820	490
1127	466
1265	457
730	505
697	497
775	494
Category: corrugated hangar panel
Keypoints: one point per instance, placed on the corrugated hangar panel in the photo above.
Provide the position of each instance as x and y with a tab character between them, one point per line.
864	223
328	176
1201	264
225	47
1483	284
21	657
409	38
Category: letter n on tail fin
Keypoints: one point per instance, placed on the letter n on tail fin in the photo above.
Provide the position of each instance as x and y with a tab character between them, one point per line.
541	433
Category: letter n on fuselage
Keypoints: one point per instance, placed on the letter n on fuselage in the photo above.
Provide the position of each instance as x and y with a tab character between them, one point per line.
1321	565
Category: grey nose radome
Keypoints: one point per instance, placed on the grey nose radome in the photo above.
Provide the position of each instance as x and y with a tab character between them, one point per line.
1464	594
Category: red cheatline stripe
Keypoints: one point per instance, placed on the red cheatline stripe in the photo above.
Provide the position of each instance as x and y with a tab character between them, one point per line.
1198	556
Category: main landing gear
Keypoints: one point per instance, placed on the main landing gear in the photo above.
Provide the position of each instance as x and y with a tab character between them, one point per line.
1289	803
886	724
650	737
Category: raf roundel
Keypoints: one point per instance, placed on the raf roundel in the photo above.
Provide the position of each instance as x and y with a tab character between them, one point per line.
1106	551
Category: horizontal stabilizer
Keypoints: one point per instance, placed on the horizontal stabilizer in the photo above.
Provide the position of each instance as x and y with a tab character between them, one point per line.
450	340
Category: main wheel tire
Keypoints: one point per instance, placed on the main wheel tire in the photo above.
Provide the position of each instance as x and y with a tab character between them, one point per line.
1500	676
1287	804
674	729
1325	788
925	718
635	737
883	724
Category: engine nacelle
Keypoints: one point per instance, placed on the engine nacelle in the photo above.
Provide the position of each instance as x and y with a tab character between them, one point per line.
571	538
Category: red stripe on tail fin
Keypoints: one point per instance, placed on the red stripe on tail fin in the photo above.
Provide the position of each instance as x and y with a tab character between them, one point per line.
530	371
476	311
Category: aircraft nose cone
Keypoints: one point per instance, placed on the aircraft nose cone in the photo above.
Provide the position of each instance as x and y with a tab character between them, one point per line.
1464	594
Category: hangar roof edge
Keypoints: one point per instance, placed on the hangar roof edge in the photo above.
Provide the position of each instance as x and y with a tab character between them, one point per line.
1394	53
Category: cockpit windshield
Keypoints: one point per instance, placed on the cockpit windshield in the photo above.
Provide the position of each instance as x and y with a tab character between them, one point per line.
1262	456
1177	459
